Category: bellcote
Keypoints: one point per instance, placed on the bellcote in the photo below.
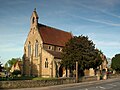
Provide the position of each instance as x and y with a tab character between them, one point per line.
34	18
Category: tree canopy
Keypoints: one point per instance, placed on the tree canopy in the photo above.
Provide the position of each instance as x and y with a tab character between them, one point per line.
116	63
1	67
83	50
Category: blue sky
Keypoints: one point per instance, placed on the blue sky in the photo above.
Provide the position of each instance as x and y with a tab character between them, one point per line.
97	19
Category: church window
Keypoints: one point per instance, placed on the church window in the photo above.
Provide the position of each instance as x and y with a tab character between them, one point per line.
36	48
46	63
24	50
33	20
59	49
33	31
29	49
49	47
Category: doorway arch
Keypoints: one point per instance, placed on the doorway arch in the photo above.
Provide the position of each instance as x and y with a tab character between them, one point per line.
60	71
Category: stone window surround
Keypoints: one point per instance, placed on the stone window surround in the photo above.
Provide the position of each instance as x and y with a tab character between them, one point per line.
36	48
29	49
46	63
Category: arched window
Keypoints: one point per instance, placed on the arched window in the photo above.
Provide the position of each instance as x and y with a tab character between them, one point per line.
49	47
46	63
36	48
25	50
59	49
33	20
29	49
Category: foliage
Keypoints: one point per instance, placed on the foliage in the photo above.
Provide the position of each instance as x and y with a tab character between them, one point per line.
15	78
116	63
7	68
25	78
1	67
40	78
82	50
12	61
16	72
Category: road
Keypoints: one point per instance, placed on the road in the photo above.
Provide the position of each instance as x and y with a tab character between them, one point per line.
110	84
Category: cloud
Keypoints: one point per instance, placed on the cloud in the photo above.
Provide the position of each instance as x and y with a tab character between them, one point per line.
111	2
104	35
109	13
89	18
96	21
98	9
107	44
105	39
11	43
15	2
10	47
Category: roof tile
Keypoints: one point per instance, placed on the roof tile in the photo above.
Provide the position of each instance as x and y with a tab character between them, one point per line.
53	36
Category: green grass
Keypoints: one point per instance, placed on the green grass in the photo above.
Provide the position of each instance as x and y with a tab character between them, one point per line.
40	78
24	78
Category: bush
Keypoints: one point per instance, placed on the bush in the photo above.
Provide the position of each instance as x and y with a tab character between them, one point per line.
16	72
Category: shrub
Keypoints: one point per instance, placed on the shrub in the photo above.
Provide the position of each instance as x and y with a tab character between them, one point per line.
16	72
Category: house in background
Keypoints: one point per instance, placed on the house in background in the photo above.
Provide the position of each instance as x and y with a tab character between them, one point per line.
103	66
17	66
109	62
42	50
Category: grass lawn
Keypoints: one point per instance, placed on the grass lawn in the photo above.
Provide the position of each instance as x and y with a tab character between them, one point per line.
24	78
40	78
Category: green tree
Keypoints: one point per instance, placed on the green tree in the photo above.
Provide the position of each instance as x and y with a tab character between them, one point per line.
115	65
1	67
83	50
7	68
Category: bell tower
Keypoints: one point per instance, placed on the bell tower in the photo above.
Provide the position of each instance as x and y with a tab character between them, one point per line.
34	19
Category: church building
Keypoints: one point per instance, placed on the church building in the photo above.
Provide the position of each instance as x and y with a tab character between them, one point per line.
42	50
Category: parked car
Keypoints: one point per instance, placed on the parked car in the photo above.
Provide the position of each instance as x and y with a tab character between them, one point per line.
109	73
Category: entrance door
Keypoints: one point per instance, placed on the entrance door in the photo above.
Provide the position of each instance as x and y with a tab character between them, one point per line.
60	71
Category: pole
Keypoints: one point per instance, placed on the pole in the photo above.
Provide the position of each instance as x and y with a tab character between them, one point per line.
76	71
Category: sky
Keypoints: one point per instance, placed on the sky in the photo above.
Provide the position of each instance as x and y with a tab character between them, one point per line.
97	19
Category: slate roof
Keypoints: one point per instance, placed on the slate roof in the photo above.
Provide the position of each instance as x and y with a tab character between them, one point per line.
53	36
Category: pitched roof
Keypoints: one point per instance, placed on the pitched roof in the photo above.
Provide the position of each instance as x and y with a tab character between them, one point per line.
57	55
19	63
53	36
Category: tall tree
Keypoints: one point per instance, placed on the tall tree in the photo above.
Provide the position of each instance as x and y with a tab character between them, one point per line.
7	68
116	63
83	50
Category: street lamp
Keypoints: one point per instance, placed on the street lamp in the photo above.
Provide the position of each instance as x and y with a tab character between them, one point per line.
76	71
